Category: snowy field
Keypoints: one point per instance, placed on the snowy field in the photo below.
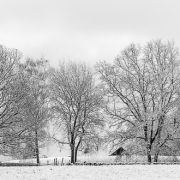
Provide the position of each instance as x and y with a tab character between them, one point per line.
126	172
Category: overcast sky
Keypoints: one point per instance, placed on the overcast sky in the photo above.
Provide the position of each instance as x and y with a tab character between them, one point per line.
85	30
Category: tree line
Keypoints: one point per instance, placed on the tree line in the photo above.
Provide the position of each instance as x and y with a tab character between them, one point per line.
132	102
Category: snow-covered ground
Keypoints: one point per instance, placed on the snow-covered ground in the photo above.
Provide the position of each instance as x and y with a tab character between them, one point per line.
126	172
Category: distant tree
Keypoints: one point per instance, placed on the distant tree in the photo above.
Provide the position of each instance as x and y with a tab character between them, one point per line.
142	90
76	101
93	143
36	112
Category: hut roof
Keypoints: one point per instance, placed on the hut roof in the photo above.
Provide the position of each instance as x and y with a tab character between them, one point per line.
119	151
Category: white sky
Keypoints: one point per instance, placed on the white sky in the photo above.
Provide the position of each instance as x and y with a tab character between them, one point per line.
85	30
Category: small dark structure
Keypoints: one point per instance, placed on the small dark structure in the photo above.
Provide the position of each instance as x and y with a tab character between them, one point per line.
118	152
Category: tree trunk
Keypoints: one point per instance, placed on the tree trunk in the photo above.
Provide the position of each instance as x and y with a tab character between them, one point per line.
148	147
76	154
156	156
149	153
72	146
149	158
37	147
72	154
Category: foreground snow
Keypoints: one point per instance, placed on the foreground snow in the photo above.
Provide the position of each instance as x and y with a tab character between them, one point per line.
126	172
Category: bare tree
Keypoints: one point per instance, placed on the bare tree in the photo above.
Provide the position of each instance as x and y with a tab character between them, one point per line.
76	101
12	93
142	87
36	112
93	142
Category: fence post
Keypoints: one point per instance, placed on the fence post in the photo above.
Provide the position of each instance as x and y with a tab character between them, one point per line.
55	162
62	162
